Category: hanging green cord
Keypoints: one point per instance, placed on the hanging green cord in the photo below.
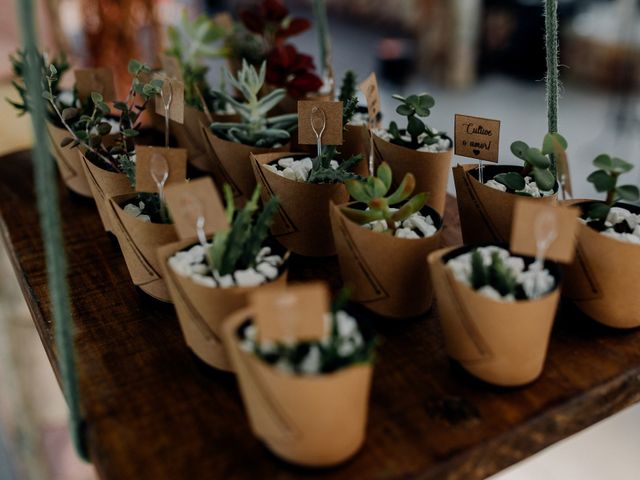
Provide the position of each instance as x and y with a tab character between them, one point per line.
322	24
551	45
47	198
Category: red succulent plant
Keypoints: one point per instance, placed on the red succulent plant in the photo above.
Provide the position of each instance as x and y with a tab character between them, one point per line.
272	21
292	70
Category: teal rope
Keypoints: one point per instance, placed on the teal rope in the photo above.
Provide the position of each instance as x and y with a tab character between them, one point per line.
322	24
47	198
551	41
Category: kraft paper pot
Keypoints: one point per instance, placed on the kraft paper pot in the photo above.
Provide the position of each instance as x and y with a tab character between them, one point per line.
386	274
430	169
310	420
486	214
302	222
503	343
69	162
139	242
202	309
604	277
104	185
356	142
231	163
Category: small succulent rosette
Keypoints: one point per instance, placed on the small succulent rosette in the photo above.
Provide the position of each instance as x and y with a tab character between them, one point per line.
302	222
105	184
496	311
140	231
604	277
307	401
69	161
382	240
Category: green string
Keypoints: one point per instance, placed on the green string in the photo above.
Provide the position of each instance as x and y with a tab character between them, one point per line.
47	199
322	24
551	42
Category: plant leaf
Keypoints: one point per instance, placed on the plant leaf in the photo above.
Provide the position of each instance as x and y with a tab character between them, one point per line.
519	149
628	192
535	157
406	187
511	180
357	191
362	216
412	206
599	211
385	174
602	181
544	178
603	162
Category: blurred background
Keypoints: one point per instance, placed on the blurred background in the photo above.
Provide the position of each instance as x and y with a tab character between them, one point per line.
477	57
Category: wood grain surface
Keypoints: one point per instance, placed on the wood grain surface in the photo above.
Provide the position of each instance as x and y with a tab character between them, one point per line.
154	411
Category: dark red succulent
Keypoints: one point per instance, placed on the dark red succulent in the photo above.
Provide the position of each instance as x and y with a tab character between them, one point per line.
292	70
272	21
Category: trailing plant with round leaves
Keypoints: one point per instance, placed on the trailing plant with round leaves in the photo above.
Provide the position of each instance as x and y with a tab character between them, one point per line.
237	248
373	192
605	179
255	129
537	163
414	108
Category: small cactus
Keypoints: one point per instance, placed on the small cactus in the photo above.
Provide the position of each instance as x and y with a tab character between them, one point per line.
373	193
496	275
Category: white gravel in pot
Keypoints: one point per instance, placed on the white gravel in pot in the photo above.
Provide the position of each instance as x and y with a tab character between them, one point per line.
442	145
359	119
530	187
295	169
535	282
416	226
192	263
618	215
136	211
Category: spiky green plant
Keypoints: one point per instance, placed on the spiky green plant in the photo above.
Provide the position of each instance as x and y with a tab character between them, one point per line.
414	108
537	163
237	248
496	275
373	192
605	179
255	129
191	43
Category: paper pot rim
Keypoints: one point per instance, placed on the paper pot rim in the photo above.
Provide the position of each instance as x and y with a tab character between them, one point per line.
605	239
444	254
507	167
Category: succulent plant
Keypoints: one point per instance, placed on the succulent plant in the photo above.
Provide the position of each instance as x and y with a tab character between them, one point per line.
538	163
415	107
373	192
496	275
605	179
237	248
255	128
191	43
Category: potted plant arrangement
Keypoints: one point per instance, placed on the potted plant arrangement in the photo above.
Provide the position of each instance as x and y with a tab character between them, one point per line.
189	45
376	224
604	277
417	149
486	207
356	131
306	400
496	311
67	158
210	280
262	36
231	143
305	187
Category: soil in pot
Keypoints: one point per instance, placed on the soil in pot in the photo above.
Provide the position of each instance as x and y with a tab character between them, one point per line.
496	320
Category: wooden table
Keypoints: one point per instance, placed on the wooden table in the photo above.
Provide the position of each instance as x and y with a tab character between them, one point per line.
155	412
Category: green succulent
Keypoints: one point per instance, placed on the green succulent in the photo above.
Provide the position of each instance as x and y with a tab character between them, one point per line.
255	128
414	107
191	43
373	192
605	179
237	248
496	275
537	163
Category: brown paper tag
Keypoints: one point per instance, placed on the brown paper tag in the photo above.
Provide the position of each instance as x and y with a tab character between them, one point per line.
197	198
327	113
224	20
536	223
95	80
171	66
172	89
292	314
370	90
152	163
477	138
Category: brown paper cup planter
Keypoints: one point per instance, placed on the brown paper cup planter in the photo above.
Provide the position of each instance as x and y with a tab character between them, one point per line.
604	277
69	161
302	223
139	242
104	185
486	214
201	309
387	274
503	343
315	420
232	165
430	169
356	142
